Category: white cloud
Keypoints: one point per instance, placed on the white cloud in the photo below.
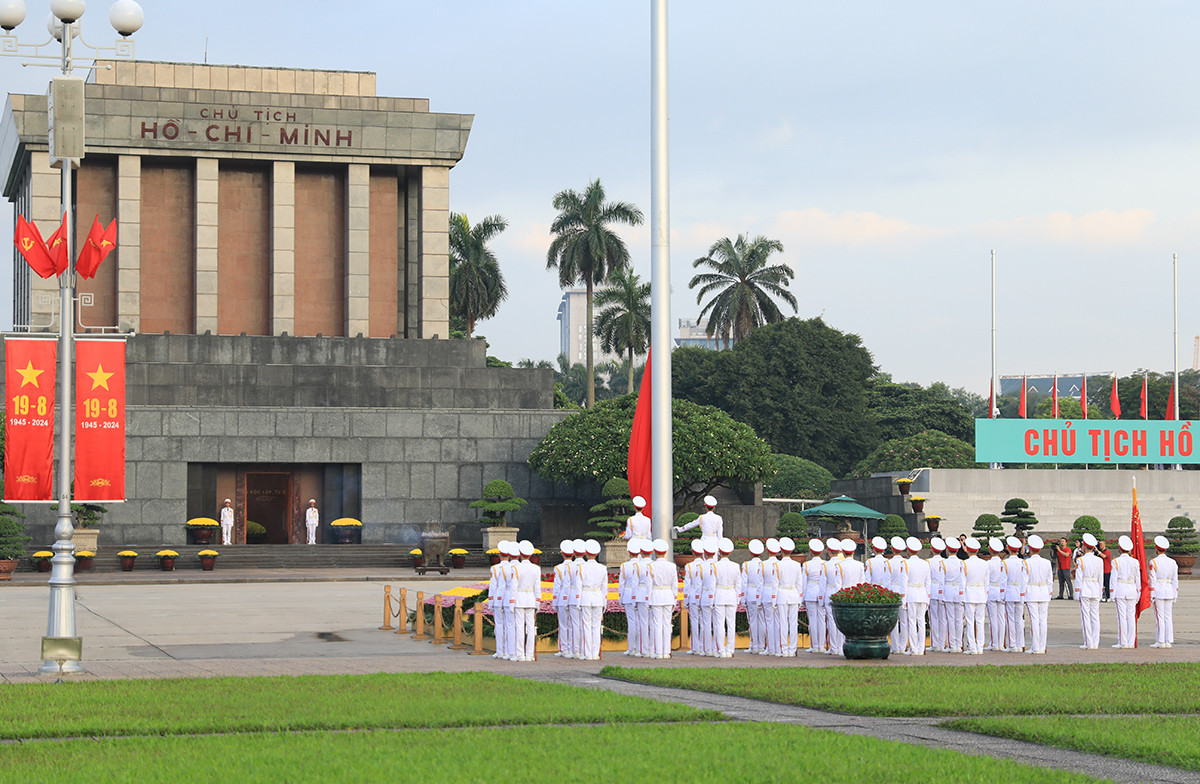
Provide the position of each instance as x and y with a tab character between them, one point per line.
1104	226
848	228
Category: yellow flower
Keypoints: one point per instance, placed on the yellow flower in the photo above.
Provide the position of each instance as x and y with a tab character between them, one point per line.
458	551
493	551
416	551
43	554
207	554
203	522
127	554
85	554
346	522
167	554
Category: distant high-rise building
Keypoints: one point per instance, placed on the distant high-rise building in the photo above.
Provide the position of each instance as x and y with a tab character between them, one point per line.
572	330
692	334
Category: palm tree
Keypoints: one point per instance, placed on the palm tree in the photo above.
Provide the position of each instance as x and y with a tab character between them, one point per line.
476	283
624	320
585	250
745	285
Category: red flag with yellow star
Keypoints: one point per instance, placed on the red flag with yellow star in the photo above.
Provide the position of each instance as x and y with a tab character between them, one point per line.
100	420
29	419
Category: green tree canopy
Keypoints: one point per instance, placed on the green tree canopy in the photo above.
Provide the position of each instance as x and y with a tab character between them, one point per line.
902	410
709	448
743	285
796	477
930	449
476	284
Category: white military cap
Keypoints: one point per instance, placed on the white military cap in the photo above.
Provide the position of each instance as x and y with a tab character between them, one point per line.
952	544
526	547
710	547
972	544
566	548
228	501
849	545
1125	543
638	501
710	501
1035	542
833	545
647	545
697	546
995	545
312	500
879	543
937	544
1089	540
898	543
914	544
660	545
1013	542
579	546
726	544
1162	543
756	547
816	545
502	546
786	544
634	546
593	547
772	545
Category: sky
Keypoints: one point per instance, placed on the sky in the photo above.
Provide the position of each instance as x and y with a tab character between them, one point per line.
890	147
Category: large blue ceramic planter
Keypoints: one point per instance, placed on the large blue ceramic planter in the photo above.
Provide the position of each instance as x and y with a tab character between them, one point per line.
866	627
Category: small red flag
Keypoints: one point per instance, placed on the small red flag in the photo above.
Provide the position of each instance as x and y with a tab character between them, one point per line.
640	462
32	248
1170	403
99	243
1139	552
1054	397
1143	409
57	245
1021	407
1114	401
1083	400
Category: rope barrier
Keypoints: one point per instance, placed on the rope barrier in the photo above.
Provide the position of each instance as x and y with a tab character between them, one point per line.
402	613
387	608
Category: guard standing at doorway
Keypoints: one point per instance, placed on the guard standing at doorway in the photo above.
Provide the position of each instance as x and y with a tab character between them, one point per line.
227	522
312	519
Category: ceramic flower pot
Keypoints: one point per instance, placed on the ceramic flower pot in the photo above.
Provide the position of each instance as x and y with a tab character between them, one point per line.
866	627
44	566
202	535
167	564
7	567
458	561
904	487
83	565
127	562
917	506
207	562
418	561
1185	562
344	535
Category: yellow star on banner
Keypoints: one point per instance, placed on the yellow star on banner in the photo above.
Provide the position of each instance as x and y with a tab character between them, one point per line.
29	375
99	377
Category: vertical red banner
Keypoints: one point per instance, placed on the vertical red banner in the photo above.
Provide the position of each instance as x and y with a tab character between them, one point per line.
29	419
100	420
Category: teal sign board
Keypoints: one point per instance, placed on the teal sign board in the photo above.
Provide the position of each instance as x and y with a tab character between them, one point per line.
1084	441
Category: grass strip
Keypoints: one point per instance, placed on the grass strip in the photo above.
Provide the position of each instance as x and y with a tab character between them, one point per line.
1174	742
876	689
205	705
695	753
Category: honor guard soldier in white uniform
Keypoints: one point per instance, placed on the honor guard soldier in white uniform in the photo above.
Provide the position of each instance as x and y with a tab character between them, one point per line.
528	592
593	596
512	578
917	596
712	527
312	519
1089	574
1039	578
770	598
898	582
562	595
626	589
708	597
641	596
496	599
637	526
814	598
878	572
691	597
788	598
853	572
226	523
997	582
833	584
952	595
1164	589
726	602
1015	595
937	582
1126	590
751	589
664	586
975	591
574	613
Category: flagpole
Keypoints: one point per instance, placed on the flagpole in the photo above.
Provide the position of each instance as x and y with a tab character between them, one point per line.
995	386
1175	345
660	282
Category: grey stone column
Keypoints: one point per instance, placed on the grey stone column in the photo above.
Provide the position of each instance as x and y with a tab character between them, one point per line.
283	248
358	250
206	244
129	234
435	251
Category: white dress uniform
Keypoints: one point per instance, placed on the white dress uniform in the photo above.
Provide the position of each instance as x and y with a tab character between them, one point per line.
528	592
1126	587
996	614
574	616
1089	575
952	594
1164	589
626	587
975	591
751	588
664	586
937	605
562	597
787	601
878	572
725	603
637	527
1015	596
593	596
898	574
226	525
496	599
814	600
1039	585
641	597
833	584
511	577
708	601
770	600
312	519
712	527
917	595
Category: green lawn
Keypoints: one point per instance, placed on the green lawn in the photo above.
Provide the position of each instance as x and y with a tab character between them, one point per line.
711	752
982	690
1174	741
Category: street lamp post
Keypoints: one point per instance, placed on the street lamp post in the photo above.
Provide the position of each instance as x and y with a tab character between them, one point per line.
66	143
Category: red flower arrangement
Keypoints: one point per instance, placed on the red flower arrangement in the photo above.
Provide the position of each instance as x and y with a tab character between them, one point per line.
865	593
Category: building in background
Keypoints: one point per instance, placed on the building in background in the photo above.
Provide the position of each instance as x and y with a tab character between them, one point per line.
692	334
572	330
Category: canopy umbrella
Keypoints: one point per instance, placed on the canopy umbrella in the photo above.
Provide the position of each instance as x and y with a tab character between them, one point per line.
845	506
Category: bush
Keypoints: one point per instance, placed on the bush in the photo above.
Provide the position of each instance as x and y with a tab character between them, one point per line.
255	532
987	526
932	448
12	533
1017	514
610	515
892	525
792	524
796	477
1181	533
1086	524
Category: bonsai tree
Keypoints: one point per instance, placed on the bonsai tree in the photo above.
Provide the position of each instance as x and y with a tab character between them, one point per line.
1086	524
1181	533
1017	514
609	516
87	514
792	524
987	526
498	500
12	533
892	525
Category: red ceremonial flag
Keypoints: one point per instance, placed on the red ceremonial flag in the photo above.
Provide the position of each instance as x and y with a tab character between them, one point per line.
640	464
99	243
1139	552
1054	397
57	244
1170	403
1083	401
1143	409
100	420
29	419
1021	407
1114	402
32	248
